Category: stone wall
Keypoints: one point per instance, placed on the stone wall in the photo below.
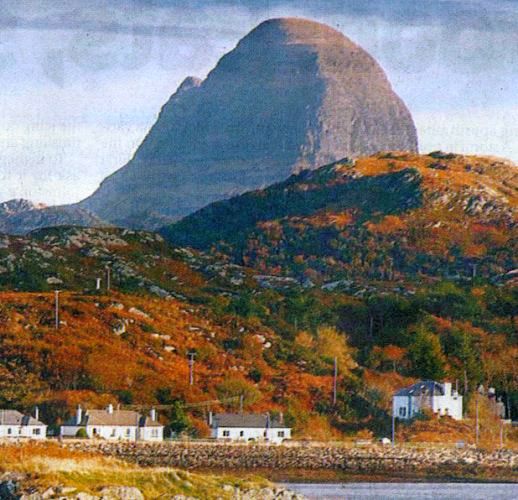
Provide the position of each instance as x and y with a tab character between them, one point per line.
368	460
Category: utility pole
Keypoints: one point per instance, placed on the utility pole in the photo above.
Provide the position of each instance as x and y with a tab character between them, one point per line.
335	377
476	420
56	309
191	367
108	277
393	427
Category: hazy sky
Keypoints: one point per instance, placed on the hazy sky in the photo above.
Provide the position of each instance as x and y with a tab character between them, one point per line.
82	82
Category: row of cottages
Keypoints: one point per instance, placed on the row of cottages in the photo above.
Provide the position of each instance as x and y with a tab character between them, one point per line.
441	398
249	427
113	424
14	424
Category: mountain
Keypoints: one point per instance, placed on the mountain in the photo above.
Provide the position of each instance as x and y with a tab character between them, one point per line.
390	217
293	95
23	216
18	205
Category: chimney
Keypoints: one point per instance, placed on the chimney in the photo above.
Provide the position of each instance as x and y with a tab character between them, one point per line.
210	419
447	388
36	413
79	414
109	409
152	414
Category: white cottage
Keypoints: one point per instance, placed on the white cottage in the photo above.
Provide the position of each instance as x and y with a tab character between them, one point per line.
248	427
16	425
440	398
114	425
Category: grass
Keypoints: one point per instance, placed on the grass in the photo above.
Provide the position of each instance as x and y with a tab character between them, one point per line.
49	465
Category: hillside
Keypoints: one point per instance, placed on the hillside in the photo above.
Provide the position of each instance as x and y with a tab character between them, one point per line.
393	217
269	339
293	94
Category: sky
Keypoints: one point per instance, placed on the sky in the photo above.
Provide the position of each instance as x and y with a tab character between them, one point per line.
82	82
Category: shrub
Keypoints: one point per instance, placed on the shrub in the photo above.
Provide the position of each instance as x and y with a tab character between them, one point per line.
81	433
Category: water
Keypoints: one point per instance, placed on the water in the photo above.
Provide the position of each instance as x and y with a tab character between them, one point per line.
406	491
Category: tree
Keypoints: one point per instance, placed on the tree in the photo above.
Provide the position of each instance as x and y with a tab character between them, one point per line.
425	354
234	387
332	344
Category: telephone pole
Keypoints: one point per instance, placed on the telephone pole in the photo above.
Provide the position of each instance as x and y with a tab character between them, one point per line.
476	420
393	427
335	377
56	309
191	367
108	277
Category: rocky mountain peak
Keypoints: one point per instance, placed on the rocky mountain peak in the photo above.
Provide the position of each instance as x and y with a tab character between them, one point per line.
293	95
18	205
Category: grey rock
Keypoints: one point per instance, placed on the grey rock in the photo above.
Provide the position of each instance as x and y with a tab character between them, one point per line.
121	493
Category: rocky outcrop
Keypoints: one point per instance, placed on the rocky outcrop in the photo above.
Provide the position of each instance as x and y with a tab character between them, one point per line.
294	94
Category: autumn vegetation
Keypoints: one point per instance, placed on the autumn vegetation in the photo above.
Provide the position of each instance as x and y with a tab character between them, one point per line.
397	265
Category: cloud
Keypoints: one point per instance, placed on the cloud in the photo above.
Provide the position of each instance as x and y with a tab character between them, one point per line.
479	131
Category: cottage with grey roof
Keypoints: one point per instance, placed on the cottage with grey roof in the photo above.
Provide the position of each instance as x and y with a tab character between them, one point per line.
249	427
114	424
438	397
16	425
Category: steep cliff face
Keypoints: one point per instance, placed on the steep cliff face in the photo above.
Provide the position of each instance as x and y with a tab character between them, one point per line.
294	94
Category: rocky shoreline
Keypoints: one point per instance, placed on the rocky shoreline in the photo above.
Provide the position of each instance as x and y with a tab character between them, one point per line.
366	461
16	486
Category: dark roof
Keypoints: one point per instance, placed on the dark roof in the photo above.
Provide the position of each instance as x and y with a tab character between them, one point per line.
424	387
126	418
250	420
13	417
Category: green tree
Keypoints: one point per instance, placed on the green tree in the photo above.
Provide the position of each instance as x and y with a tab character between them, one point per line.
233	388
425	354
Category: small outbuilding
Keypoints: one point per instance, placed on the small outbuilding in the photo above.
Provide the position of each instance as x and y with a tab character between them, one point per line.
16	425
438	397
114	424
249	427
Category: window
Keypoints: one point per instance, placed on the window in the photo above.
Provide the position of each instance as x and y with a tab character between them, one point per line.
280	434
241	433
113	432
128	432
9	431
154	433
226	434
402	411
36	432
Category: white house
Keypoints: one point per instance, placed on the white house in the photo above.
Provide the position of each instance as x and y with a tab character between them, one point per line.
249	427
15	425
114	424
440	398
